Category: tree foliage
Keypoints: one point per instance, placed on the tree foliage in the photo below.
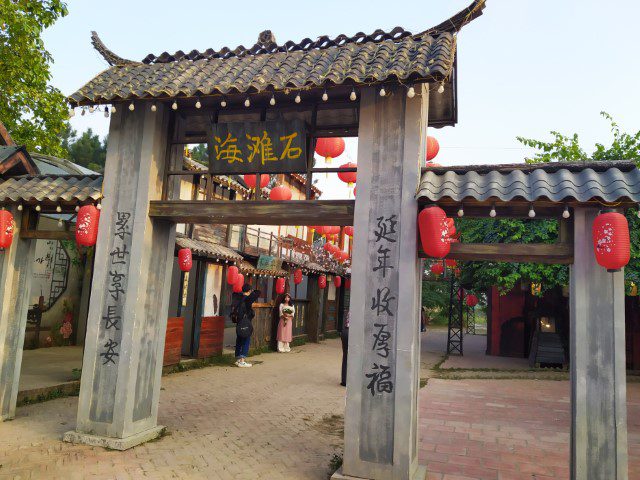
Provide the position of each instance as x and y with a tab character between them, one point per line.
86	150
32	110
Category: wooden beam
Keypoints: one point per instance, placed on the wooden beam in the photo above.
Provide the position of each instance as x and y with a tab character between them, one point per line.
48	234
261	212
558	253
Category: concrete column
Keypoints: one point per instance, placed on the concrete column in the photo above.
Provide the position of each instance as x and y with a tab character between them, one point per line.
127	319
15	285
384	349
598	377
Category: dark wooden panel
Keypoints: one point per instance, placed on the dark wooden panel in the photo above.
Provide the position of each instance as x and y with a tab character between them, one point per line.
48	234
211	337
561	253
261	212
173	341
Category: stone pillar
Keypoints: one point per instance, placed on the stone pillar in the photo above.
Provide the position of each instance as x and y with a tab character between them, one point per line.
598	376
15	285
122	363
384	348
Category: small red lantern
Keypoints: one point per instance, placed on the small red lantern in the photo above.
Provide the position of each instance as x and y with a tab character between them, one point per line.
343	256
332	230
297	276
347	283
281	192
449	262
348	177
328	247
437	268
232	274
451	226
87	225
185	262
280	285
611	240
337	281
457	272
433	147
237	286
348	230
7	227
322	281
434	232
330	148
472	300
250	180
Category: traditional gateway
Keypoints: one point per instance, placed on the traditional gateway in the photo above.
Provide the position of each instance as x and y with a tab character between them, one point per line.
385	88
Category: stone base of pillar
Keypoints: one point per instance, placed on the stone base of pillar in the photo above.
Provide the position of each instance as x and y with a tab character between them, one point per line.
421	474
114	443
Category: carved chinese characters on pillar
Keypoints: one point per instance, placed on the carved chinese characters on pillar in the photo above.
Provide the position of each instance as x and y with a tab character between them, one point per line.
116	289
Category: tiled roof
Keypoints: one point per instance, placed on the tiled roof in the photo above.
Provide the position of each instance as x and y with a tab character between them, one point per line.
208	250
580	181
246	267
51	188
361	59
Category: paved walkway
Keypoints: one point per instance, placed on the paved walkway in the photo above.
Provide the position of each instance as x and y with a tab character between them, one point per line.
46	367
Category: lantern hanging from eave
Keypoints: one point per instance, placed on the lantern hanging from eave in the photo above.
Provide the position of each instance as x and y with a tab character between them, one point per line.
322	281
348	177
87	225
337	281
450	262
472	300
239	283
343	256
232	274
437	268
433	147
185	260
348	230
280	285
611	240
434	232
333	230
281	192
297	276
250	180
328	247
347	283
451	226
457	272
330	148
7	227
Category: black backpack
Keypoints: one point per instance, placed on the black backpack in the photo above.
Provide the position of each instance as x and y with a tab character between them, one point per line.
244	328
235	308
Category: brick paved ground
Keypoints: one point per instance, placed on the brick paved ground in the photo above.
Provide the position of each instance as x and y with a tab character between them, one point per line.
273	421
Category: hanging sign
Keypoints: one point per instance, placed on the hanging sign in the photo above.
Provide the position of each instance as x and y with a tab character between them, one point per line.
267	262
278	146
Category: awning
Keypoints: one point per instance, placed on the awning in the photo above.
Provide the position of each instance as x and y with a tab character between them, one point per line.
208	250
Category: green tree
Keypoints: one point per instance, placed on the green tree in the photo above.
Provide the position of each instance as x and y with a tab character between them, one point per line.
87	150
33	111
199	154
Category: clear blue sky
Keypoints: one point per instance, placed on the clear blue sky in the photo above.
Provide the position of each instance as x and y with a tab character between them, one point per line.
525	66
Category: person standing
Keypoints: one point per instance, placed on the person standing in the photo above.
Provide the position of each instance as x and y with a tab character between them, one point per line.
285	326
344	336
242	311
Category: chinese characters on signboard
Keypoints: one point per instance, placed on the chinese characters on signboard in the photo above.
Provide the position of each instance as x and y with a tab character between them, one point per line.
258	147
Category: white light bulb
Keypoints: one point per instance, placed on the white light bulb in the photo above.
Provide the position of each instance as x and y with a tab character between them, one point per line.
174	105
77	208
383	92
247	102
132	107
353	96
461	212
566	213
272	102
492	213
99	206
153	107
106	112
325	97
113	109
297	99
72	112
532	212
198	104
38	208
20	207
441	88
58	209
411	92
92	109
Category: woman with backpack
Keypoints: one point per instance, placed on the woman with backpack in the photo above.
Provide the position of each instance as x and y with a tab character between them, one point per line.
242	313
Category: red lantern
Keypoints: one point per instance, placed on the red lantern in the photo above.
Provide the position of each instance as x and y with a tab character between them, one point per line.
437	269
348	231
433	147
239	283
232	274
611	240
343	256
7	227
457	272
472	300
322	281
185	262
434	232
87	225
329	148
280	285
332	230
297	276
250	180
337	281
354	191
281	192
450	263
348	177
347	283
328	247
451	226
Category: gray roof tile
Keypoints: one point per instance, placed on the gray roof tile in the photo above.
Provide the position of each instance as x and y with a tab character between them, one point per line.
51	188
